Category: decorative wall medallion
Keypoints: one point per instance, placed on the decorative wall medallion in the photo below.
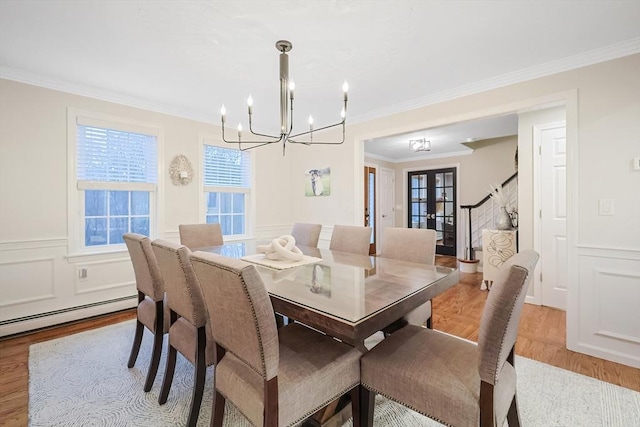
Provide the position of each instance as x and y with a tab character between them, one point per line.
180	170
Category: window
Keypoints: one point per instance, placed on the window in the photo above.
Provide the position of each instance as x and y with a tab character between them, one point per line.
116	176
227	188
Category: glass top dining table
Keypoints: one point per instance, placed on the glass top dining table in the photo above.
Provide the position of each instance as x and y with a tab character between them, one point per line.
346	295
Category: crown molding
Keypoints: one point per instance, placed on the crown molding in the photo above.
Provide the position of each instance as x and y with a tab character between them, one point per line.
53	83
607	53
595	56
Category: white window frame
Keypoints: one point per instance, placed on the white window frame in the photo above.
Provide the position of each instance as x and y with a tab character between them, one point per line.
76	188
249	199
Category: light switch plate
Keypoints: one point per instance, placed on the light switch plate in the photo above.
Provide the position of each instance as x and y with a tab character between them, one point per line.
605	207
636	164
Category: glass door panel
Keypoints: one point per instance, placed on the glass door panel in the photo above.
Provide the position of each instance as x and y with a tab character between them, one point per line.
433	205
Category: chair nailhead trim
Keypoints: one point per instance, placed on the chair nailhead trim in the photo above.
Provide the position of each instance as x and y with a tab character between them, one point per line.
496	371
408	406
309	413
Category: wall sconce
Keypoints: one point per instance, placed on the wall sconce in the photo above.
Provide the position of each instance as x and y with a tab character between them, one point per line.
420	145
180	170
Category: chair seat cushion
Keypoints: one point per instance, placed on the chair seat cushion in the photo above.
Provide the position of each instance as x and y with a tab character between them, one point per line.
313	370
434	374
183	336
147	314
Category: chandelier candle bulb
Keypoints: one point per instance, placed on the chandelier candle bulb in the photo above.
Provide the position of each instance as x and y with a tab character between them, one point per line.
343	113
239	130
223	111
250	103
345	89
292	87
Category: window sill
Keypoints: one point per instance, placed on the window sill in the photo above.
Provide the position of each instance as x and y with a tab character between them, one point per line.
238	238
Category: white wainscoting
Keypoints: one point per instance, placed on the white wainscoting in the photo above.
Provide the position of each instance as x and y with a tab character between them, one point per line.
273	231
40	284
608	306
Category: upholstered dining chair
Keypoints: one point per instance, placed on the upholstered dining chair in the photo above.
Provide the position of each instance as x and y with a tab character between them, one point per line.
413	245
189	330
451	380
196	236
275	377
350	238
306	234
152	312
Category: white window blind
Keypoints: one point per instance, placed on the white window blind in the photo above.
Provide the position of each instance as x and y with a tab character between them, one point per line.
110	155
224	167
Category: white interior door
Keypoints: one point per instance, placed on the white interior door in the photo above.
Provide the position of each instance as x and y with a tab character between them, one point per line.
386	199
550	141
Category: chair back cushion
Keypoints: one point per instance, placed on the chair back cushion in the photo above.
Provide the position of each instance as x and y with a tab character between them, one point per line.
196	236
409	244
306	234
501	315
350	238
145	267
183	291
242	317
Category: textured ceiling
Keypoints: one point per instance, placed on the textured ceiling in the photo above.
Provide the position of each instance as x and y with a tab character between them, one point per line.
188	58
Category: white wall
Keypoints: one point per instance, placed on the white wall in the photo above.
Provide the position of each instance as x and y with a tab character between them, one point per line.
36	273
341	206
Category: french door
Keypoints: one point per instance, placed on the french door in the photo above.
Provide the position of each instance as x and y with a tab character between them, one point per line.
433	205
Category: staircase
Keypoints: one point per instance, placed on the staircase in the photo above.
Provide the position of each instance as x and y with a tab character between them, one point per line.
484	215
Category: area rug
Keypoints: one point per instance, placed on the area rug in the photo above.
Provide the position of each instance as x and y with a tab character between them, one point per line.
83	380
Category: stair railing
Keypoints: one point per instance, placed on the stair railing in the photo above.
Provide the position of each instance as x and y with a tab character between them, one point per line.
485	220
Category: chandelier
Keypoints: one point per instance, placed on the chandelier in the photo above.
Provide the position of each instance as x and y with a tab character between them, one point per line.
420	145
287	87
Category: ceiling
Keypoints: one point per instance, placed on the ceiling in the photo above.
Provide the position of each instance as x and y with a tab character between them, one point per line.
189	58
445	140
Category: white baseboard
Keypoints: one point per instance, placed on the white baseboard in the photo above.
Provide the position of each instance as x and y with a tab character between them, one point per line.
57	318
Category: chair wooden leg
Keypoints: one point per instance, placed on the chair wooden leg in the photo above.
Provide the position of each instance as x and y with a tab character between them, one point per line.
168	375
355	405
217	409
367	406
137	340
513	417
198	378
155	361
487	414
270	402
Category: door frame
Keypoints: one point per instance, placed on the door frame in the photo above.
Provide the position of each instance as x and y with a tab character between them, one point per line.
393	200
458	216
373	247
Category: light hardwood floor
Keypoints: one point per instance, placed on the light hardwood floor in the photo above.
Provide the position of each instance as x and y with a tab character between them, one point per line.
541	337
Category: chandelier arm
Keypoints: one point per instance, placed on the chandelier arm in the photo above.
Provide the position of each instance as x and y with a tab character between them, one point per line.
290	118
344	120
321	142
262	134
342	123
252	142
